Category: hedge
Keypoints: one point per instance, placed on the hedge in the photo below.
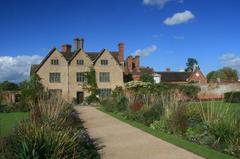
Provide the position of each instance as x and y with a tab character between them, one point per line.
232	97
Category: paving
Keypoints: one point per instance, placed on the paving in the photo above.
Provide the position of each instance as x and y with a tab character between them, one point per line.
119	140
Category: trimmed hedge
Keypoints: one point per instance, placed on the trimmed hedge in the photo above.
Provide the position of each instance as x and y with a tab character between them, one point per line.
232	97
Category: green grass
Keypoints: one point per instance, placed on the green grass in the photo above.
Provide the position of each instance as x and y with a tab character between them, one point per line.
232	106
200	150
9	120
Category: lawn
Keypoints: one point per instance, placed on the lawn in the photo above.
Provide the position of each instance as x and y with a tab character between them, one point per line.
232	106
9	120
200	150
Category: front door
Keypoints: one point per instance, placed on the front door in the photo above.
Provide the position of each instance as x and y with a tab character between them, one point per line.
80	97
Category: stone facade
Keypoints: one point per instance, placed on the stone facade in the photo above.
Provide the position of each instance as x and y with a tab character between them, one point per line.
68	68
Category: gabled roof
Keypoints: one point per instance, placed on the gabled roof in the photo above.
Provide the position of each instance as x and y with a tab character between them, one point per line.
174	76
94	55
69	56
45	59
97	56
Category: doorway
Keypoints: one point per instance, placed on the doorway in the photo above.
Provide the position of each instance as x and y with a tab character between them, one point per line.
80	97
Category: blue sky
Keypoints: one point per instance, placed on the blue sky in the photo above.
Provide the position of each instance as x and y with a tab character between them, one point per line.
202	29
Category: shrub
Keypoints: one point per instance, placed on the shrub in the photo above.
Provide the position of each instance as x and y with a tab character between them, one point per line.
55	131
161	125
136	106
121	103
40	141
232	97
200	134
178	120
108	105
190	90
92	98
17	107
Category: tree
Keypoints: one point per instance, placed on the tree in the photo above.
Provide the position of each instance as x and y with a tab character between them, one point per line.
147	78
90	83
191	64
31	89
8	86
224	74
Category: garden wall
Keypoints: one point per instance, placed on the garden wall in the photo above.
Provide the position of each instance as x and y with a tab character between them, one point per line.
217	90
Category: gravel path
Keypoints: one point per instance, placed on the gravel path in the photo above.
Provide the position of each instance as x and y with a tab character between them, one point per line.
122	141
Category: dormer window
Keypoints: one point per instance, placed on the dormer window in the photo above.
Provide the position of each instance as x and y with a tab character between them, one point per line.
80	61
104	62
54	62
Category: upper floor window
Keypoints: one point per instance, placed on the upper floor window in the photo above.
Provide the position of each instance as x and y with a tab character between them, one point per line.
54	62
104	77
80	61
104	62
54	77
80	77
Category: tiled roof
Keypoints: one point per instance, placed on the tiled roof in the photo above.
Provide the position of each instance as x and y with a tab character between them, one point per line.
68	56
174	76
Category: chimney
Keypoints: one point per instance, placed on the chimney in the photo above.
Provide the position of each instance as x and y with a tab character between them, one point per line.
66	48
136	62
168	70
77	43
81	43
121	52
129	64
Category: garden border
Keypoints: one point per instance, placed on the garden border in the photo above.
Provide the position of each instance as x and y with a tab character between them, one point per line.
200	150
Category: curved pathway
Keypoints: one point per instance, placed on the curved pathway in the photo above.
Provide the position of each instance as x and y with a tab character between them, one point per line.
122	141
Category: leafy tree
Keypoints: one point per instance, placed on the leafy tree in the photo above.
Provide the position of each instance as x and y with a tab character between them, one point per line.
8	86
224	74
147	78
191	64
31	89
90	83
210	75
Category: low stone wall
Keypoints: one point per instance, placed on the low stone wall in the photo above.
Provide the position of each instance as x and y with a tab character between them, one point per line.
216	90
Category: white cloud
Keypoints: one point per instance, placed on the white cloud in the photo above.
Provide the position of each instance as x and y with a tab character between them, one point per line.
146	51
179	18
17	68
231	60
159	3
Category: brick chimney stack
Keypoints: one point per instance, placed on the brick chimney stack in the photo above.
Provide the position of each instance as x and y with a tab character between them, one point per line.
77	43
137	62
168	70
66	48
129	64
121	53
81	43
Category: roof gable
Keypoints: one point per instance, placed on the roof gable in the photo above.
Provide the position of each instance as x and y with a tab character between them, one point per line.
46	58
78	52
113	54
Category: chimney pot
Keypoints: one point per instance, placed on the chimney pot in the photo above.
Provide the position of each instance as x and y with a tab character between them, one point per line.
77	43
81	43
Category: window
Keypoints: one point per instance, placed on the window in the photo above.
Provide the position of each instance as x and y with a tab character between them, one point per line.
55	92
104	92
80	77
80	62
54	77
104	62
104	77
54	62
